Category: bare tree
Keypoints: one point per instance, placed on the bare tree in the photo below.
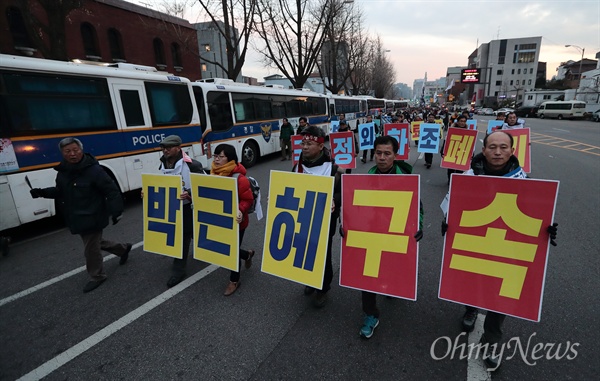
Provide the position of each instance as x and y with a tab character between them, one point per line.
292	33
382	70
360	77
234	21
48	34
335	64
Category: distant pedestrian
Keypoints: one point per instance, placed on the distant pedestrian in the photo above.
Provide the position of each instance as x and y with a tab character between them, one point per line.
302	124
285	139
87	197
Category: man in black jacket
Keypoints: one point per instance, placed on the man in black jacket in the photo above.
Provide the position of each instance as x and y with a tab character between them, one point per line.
87	196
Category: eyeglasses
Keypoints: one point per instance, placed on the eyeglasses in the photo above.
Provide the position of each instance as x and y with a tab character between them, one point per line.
220	157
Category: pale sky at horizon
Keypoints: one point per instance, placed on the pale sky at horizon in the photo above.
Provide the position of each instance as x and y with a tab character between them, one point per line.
432	35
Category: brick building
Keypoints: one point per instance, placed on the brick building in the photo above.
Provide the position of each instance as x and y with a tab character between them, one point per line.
101	30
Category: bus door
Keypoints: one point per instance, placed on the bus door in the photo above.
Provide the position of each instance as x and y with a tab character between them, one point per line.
135	134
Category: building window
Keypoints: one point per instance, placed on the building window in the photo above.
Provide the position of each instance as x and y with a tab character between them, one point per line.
499	72
531	71
498	83
525	57
527	46
159	53
512	71
517	82
511	82
116	45
501	60
203	67
207	47
176	54
529	82
519	71
529	97
17	28
546	96
90	42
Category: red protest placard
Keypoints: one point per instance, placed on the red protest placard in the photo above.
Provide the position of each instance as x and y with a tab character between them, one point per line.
458	149
342	149
496	246
380	216
522	139
296	148
399	131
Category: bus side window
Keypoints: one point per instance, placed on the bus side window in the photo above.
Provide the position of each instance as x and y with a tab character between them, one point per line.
219	111
200	105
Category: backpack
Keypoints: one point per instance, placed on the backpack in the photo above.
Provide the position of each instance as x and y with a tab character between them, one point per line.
255	188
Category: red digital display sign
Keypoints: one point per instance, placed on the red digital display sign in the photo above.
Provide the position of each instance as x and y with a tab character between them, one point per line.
470	75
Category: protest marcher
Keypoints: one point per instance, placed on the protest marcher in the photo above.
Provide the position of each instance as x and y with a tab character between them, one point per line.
364	155
429	156
225	163
285	140
315	160
176	162
302	124
496	159
87	197
461	122
343	128
512	122
386	148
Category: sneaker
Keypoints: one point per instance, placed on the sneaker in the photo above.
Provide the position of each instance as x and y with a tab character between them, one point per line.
231	288
427	165
308	290
125	255
92	285
363	160
320	299
469	319
248	262
369	324
175	280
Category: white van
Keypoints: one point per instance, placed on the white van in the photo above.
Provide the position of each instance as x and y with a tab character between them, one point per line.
562	109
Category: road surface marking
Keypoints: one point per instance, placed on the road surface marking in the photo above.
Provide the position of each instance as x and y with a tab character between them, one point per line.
76	350
50	282
476	369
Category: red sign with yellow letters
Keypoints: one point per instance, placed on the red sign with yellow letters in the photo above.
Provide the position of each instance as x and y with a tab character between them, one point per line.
521	137
458	148
380	216
496	246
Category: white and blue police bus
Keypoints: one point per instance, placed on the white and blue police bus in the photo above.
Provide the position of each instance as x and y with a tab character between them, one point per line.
120	112
353	108
249	117
400	105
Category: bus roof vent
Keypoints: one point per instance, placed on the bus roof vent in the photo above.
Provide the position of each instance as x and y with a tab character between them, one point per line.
273	86
134	67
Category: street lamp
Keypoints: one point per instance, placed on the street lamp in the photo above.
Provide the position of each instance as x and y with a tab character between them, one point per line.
582	50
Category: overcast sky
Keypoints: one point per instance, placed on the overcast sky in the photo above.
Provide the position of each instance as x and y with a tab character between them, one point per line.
430	36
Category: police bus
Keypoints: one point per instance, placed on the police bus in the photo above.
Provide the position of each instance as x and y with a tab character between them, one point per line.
353	108
249	117
120	112
562	109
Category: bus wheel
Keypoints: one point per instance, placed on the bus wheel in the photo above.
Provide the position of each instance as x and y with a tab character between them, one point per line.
559	117
249	154
541	116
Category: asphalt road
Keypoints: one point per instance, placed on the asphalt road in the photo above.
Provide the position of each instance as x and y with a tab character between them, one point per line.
134	328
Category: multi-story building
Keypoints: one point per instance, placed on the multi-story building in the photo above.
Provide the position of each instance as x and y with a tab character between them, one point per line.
509	68
455	90
213	49
109	31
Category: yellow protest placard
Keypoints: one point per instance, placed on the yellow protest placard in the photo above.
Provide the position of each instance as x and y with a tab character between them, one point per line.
163	216
297	227
216	231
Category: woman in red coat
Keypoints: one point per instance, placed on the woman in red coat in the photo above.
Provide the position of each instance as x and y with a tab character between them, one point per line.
225	163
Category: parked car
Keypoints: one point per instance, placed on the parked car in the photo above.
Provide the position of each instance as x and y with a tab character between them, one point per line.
527	111
486	111
505	110
596	116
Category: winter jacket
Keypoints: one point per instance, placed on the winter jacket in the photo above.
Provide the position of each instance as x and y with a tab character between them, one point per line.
287	130
245	196
86	195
